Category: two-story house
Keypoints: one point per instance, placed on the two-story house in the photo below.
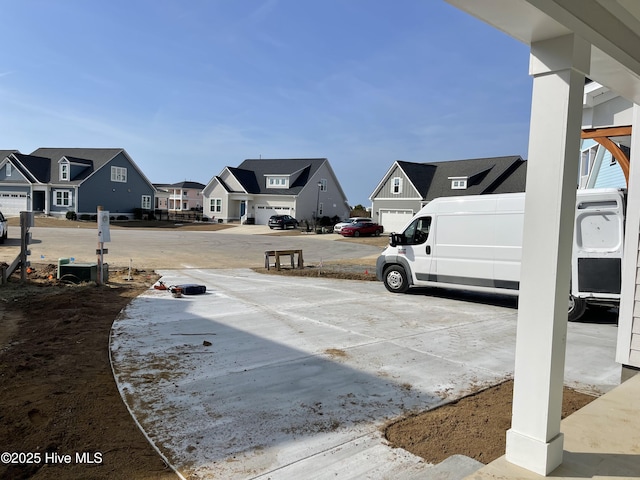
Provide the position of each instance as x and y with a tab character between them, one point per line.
304	188
408	186
54	181
180	197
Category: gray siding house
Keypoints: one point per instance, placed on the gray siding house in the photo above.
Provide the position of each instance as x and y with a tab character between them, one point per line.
408	186
258	188
54	181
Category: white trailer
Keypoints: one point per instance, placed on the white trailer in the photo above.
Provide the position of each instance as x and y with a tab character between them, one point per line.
475	243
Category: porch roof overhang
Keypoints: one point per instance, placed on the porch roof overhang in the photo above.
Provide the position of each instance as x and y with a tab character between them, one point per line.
611	26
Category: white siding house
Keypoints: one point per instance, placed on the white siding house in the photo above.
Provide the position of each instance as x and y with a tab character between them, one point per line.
304	188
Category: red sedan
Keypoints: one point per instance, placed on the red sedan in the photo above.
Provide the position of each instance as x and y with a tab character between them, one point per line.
362	228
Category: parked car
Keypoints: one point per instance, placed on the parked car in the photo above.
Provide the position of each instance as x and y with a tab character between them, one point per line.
282	221
337	228
362	228
4	228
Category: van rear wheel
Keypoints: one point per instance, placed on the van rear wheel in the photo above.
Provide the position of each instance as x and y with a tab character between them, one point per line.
395	279
577	307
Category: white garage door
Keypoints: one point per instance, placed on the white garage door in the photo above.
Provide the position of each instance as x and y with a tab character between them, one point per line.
394	220
263	212
12	203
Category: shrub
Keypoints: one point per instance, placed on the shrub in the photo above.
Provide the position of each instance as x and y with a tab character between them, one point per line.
71	215
325	221
85	217
122	217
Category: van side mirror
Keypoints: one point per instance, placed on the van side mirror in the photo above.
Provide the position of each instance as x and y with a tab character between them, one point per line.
396	239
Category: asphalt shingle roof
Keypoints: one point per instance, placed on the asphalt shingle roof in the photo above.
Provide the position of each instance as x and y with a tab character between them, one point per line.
252	173
187	184
96	156
34	166
484	175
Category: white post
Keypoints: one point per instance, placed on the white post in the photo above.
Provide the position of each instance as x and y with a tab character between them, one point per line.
557	65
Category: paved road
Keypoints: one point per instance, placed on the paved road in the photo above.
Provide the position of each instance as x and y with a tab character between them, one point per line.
286	378
169	248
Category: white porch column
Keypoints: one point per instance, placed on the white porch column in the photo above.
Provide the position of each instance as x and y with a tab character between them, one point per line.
47	200
557	65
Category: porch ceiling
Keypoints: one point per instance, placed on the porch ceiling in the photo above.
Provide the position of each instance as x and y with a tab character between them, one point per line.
611	26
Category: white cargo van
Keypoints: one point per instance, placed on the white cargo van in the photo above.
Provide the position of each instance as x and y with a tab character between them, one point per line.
474	243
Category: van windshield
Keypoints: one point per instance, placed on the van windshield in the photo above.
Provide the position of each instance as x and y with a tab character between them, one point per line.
418	231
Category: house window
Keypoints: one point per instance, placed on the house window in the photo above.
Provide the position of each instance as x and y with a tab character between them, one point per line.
119	174
396	185
146	202
64	172
277	182
320	209
587	159
8	171
62	198
458	183
216	205
323	185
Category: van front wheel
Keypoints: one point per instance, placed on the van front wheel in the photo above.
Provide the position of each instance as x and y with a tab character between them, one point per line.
395	279
577	307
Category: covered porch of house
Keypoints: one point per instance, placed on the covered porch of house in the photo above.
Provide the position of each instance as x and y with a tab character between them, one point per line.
569	42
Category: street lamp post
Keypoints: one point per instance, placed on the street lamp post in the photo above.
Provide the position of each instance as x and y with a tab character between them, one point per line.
315	221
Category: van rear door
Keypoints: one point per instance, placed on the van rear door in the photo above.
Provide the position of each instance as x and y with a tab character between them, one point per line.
598	244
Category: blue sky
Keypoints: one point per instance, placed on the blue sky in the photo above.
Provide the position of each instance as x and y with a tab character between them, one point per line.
189	87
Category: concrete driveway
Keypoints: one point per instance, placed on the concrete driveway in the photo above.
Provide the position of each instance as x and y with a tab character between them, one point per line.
288	378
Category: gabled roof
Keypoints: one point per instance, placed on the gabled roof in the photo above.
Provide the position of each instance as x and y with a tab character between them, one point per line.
95	158
484	175
34	168
246	178
252	174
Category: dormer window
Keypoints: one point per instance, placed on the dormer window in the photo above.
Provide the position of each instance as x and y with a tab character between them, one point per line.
64	172
458	183
277	182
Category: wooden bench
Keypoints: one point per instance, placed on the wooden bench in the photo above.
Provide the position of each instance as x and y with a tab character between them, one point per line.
282	253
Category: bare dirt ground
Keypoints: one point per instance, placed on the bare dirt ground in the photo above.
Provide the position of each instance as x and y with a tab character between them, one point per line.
58	396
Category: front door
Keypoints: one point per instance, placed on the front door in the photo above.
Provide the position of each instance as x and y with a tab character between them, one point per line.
38	201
